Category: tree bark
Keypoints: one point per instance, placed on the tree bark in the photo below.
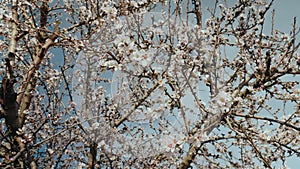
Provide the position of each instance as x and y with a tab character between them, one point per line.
92	156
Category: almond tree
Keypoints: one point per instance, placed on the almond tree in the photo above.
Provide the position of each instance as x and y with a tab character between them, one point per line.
147	84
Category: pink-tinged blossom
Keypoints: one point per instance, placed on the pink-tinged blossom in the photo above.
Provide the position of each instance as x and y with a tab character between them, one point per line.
171	142
142	57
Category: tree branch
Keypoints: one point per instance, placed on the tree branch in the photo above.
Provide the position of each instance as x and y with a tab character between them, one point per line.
136	105
284	123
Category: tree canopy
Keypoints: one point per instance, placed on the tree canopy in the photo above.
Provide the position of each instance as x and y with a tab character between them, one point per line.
147	84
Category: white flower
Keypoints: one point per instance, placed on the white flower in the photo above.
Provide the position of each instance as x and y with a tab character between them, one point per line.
110	10
122	39
142	57
170	142
85	11
102	143
133	3
81	165
110	63
221	102
2	12
222	98
95	125
158	31
50	151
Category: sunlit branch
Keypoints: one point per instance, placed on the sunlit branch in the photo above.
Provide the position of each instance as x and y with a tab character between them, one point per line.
268	119
136	105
